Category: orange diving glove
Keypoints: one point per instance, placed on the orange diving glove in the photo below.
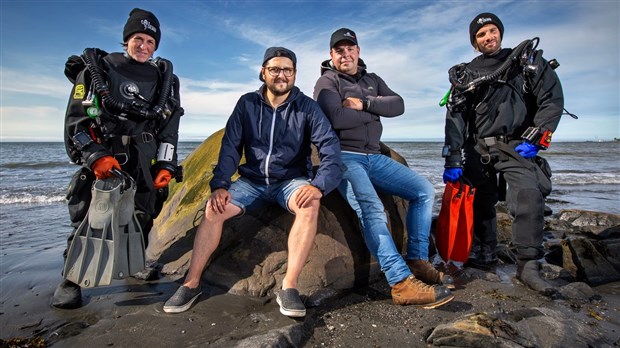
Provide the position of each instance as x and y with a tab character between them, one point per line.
162	179
102	167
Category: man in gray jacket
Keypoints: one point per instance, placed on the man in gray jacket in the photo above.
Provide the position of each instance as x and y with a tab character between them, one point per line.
354	101
273	128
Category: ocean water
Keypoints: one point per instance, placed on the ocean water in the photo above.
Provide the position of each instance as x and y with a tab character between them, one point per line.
34	179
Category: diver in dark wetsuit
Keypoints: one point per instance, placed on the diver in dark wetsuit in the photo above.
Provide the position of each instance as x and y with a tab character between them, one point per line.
504	106
123	113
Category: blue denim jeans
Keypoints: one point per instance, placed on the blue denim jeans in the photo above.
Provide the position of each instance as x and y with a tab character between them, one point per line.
366	173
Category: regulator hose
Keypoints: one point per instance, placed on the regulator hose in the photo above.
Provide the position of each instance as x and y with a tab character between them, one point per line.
134	111
516	53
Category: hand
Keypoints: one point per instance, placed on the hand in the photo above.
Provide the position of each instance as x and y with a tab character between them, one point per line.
162	179
353	103
218	200
306	194
452	174
102	167
527	150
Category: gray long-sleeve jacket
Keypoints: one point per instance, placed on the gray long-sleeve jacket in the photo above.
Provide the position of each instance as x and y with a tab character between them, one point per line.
358	131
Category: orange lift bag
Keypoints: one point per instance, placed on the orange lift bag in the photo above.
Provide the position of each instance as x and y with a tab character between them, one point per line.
455	223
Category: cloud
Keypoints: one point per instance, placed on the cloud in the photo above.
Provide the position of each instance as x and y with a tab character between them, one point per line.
26	82
217	50
31	123
207	104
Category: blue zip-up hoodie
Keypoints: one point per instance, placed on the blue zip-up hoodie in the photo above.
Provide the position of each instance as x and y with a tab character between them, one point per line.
276	142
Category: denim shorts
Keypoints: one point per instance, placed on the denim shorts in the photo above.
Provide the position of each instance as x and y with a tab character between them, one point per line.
250	196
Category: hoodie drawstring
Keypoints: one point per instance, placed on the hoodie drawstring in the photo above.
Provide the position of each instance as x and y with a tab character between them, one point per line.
260	122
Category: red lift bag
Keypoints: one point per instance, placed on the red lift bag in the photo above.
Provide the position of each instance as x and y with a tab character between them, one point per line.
455	224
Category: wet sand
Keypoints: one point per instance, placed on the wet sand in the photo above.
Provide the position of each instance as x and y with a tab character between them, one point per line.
129	312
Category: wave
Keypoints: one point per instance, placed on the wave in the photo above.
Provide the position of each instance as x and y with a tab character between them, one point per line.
585	178
25	198
34	165
573	171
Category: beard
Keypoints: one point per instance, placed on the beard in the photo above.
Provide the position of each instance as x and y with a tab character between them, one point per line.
490	51
280	88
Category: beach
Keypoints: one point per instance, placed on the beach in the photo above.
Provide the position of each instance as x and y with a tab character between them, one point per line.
128	313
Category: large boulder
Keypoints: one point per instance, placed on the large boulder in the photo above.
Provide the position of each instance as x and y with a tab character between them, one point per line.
252	256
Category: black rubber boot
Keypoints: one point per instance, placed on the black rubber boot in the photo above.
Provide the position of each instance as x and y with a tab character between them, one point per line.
528	273
485	259
67	295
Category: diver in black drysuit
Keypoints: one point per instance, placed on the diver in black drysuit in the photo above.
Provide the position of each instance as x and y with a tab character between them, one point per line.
488	119
125	114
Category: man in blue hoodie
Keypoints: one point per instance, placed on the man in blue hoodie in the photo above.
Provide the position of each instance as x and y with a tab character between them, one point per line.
273	127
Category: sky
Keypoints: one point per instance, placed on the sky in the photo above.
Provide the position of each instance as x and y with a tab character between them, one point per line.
217	47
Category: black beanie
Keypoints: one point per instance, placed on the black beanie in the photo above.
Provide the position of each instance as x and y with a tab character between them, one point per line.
141	21
480	21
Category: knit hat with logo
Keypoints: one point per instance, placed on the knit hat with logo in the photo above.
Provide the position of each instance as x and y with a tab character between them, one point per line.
142	21
480	21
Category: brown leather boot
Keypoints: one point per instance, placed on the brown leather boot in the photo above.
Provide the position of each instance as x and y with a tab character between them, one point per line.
412	291
424	270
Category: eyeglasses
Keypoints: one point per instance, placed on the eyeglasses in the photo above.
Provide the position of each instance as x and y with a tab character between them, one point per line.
275	71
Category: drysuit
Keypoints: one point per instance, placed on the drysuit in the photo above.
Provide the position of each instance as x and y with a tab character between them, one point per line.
110	113
485	124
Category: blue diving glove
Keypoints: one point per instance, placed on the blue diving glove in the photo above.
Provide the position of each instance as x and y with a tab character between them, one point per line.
452	174
527	150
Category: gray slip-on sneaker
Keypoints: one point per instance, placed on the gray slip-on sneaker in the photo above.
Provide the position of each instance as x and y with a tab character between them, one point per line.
290	303
182	300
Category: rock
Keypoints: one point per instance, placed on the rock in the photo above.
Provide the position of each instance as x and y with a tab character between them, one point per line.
586	260
470	273
611	248
600	224
553	272
252	256
577	291
504	228
585	244
532	327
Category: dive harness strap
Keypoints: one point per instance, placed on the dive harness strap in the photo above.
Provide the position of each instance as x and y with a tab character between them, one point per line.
121	142
499	142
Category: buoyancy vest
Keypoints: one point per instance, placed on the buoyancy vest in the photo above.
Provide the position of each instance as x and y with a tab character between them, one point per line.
498	107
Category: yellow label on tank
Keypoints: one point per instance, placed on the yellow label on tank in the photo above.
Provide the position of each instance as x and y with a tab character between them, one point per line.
79	92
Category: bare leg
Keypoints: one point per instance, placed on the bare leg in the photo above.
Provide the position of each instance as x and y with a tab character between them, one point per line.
301	239
206	241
